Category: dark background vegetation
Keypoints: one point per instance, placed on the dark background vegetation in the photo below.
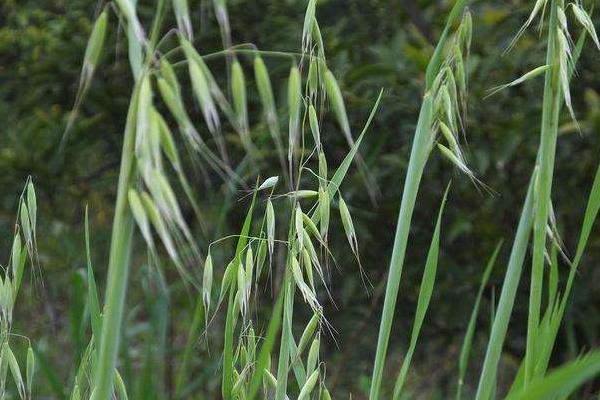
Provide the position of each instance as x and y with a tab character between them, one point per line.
370	44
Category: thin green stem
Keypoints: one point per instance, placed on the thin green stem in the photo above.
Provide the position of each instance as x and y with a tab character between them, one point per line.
420	152
543	186
118	264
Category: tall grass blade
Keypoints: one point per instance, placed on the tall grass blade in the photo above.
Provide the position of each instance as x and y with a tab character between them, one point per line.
425	292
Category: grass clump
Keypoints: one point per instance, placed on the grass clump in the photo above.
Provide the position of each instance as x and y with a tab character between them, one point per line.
285	239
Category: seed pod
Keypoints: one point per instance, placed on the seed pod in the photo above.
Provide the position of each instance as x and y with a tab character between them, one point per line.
325	394
14	369
203	95
314	125
167	143
306	262
139	214
459	71
172	100
322	167
270	227
207	279
308	245
446	152
337	103
16	256
94	47
127	7
313	356
260	258
319	39
584	19
263	82
305	194
26	225
308	332
348	225
324	212
451	139
182	15
466	30
31	205
299	226
297	273
309	386
168	74
307	29
269	183
120	386
313	77
30	369
238	89
241	284
249	266
227	279
294	103
312	228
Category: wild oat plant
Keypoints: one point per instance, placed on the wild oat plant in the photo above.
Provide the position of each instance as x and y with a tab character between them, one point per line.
284	240
23	249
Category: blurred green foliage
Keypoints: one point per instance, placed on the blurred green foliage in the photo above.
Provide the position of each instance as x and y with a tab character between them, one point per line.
370	45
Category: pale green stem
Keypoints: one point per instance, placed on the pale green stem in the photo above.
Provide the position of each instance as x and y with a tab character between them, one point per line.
543	187
421	149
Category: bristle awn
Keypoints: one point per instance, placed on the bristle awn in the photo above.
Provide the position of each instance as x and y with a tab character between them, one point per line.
90	61
425	292
465	349
265	91
182	15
